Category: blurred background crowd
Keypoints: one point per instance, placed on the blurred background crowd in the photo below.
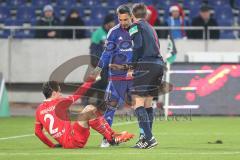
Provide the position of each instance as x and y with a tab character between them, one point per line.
172	13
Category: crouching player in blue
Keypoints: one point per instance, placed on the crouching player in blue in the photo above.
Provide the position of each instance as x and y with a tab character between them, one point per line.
118	51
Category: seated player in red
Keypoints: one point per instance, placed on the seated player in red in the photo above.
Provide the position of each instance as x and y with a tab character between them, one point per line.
52	116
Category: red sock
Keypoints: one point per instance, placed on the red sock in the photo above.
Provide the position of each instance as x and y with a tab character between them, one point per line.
101	126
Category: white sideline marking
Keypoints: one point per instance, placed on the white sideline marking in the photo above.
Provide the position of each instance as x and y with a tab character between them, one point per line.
160	134
29	135
14	137
131	122
120	153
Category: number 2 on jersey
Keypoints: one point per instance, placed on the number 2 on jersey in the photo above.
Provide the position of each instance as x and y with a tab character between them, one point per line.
50	117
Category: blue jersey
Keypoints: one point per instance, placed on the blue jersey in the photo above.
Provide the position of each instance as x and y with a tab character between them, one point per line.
118	50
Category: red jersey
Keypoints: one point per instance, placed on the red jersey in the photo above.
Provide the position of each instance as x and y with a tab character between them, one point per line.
52	116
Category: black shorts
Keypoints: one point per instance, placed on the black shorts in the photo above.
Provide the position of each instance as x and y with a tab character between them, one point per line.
147	78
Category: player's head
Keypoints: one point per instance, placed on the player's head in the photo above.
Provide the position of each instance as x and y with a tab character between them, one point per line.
139	11
124	16
51	89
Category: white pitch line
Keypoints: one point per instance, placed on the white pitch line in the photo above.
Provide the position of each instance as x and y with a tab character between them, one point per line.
30	135
14	137
196	134
132	122
119	153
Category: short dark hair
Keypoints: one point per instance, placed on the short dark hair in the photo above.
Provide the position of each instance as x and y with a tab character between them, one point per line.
139	10
49	87
124	9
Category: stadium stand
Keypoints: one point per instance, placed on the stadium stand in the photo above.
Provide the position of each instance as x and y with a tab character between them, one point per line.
22	12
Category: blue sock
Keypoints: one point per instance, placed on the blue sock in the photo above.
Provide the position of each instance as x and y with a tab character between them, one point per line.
109	114
150	116
143	121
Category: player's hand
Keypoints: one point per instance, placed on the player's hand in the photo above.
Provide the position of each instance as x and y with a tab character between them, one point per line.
57	146
130	73
115	66
95	74
91	77
118	66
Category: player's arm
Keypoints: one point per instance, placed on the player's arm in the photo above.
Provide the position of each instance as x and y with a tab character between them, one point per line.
137	39
119	66
110	46
103	63
104	59
39	133
80	91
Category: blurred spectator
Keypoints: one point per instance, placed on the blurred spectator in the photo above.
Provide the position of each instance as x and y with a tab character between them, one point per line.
204	19
48	20
73	19
232	3
176	19
152	18
99	36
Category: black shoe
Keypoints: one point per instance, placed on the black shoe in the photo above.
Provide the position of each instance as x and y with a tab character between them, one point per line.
146	144
152	143
141	138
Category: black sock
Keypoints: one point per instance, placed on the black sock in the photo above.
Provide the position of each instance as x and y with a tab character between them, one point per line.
150	116
143	121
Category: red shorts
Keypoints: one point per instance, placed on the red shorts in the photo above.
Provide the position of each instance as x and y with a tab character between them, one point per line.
76	137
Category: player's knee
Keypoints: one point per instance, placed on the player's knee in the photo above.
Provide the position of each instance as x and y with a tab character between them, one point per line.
148	102
87	113
137	102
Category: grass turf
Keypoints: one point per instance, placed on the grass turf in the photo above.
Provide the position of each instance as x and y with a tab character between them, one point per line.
177	140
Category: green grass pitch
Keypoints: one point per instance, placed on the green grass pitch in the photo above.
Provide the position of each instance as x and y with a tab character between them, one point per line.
186	140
